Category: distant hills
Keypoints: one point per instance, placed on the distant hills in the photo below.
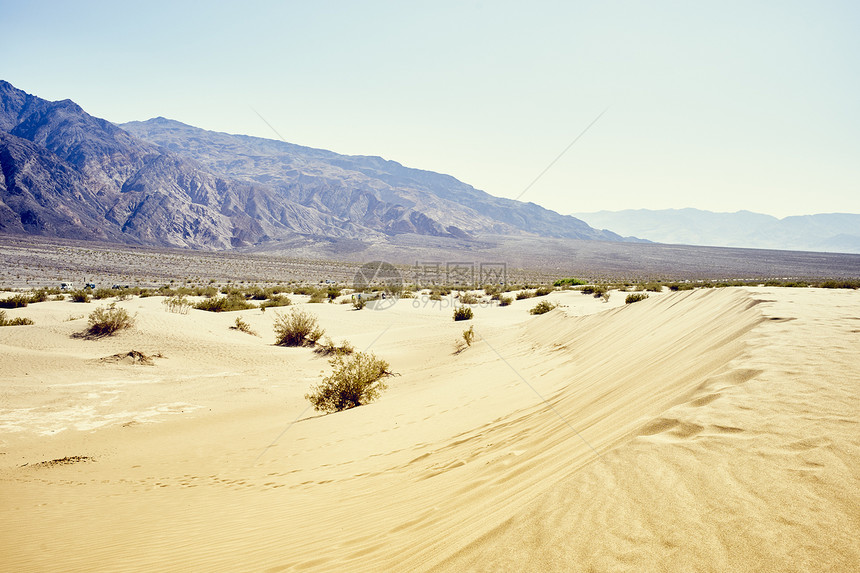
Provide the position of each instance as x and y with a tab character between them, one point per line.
829	232
67	174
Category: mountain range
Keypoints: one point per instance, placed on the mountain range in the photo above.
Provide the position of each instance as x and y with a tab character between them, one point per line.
827	232
67	174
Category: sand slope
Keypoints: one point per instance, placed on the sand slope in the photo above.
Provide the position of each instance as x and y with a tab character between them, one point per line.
708	430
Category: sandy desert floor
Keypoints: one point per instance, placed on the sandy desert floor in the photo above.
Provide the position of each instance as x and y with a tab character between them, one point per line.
707	430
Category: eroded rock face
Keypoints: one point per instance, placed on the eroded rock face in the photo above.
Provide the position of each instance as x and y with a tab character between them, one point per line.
68	174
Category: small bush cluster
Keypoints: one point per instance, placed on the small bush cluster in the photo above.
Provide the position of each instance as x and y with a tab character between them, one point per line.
276	300
635	297
468	298
227	303
178	304
542	307
105	321
462	313
356	380
505	300
18	321
297	328
81	295
17	301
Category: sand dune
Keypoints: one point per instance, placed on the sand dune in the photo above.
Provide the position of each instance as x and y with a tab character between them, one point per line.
710	430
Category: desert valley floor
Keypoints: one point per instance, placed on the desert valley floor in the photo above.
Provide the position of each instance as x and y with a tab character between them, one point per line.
704	430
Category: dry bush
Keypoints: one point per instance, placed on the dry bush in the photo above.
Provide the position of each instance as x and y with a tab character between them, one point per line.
243	326
356	380
524	294
505	300
635	297
297	328
17	301
178	304
463	313
18	321
227	303
105	321
542	307
328	347
469	335
468	298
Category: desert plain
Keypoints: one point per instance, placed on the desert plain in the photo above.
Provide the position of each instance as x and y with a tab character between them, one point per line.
701	430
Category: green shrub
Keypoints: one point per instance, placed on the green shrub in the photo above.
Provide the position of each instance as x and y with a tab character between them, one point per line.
635	297
276	300
462	313
18	321
102	293
297	328
356	380
542	307
569	282
229	303
81	295
105	321
17	301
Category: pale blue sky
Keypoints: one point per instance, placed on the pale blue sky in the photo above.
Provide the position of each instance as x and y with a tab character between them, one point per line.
724	106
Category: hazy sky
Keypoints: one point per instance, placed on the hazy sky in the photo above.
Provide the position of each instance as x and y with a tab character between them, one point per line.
724	106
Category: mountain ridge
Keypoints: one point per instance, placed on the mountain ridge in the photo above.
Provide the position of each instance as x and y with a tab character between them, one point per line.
69	174
822	232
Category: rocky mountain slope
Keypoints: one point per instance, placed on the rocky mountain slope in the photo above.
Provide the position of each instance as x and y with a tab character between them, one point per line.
68	174
827	232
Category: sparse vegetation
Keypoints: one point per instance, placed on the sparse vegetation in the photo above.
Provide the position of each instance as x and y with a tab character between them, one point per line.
524	294
542	307
505	300
297	328
543	291
328	347
359	302
462	313
468	298
17	321
229	303
356	380
243	326
106	321
635	297
469	335
178	304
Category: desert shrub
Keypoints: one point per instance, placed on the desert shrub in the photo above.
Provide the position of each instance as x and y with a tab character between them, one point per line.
356	380
542	307
653	287
359	302
569	282
328	347
468	298
317	296
17	301
297	328
469	335
243	326
435	295
227	303
635	297
462	313
524	294
681	286
18	321
102	293
81	295
839	284
177	303
276	300
105	321
40	295
505	300
543	291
